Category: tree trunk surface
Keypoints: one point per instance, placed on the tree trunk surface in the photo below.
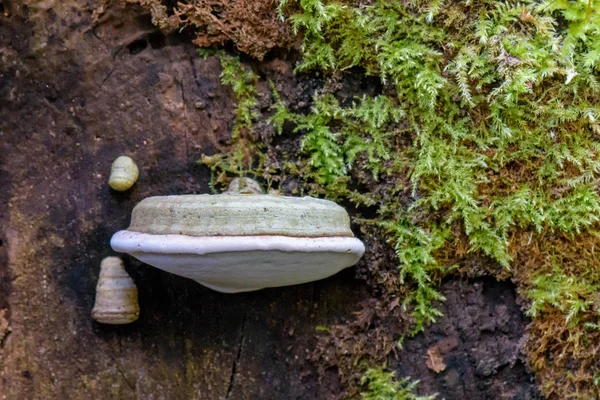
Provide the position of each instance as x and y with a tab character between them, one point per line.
76	93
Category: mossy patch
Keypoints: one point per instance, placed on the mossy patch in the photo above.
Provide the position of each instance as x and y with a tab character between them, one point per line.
483	143
381	386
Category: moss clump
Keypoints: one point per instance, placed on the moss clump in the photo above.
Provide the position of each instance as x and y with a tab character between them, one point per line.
241	81
382	386
240	160
483	142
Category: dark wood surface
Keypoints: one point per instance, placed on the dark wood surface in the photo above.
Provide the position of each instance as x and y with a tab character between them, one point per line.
76	93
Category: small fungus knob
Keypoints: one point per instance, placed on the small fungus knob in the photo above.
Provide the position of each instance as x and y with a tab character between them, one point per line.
123	173
244	186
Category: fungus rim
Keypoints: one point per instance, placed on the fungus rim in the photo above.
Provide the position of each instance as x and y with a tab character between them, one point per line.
136	242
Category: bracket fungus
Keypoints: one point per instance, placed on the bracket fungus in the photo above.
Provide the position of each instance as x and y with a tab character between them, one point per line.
241	240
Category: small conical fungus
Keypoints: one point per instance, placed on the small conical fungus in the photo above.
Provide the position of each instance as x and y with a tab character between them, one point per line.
123	173
244	186
116	294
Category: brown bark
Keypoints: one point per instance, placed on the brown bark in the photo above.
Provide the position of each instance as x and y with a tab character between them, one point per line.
82	83
75	95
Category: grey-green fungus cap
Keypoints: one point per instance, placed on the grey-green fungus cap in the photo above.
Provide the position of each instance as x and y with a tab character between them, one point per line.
236	242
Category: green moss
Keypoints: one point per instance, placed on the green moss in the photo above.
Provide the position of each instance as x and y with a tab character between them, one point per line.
242	83
484	88
382	386
484	141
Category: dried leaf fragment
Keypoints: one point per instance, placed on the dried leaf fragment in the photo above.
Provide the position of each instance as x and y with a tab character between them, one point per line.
435	361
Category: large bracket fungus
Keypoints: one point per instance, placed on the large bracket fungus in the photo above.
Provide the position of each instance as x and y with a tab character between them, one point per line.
241	240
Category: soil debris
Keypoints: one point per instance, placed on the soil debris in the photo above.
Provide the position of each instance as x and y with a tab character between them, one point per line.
4	325
436	353
252	26
471	352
